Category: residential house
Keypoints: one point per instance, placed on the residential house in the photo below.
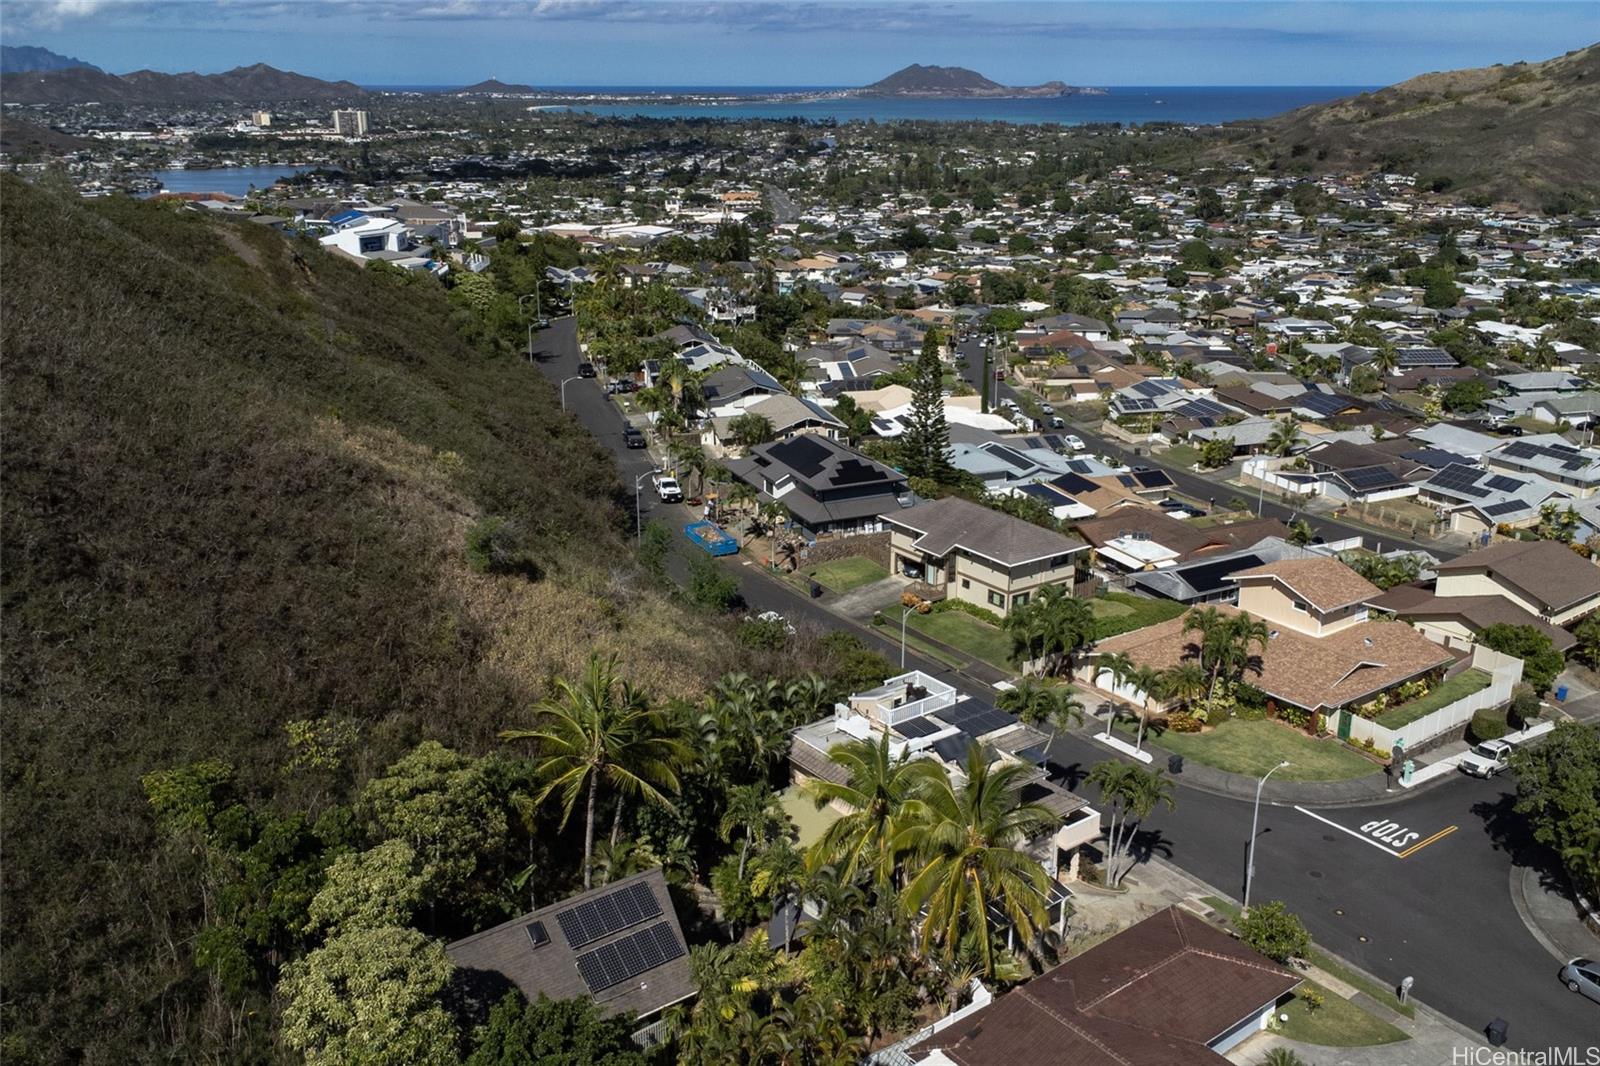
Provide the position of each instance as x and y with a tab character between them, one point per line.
974	553
1459	621
1323	652
619	945
827	487
1172	989
1478	501
1549	456
1545	578
925	718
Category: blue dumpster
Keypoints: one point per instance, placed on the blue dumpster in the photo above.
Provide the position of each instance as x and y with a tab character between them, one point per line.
1561	694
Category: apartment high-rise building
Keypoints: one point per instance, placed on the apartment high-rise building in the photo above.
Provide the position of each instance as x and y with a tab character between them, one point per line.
350	123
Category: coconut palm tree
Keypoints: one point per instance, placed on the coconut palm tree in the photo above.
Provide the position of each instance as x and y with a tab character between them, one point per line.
752	812
1211	624
1151	685
962	841
1128	793
1243	632
1050	627
1184	682
874	793
779	878
602	730
1038	703
1284	436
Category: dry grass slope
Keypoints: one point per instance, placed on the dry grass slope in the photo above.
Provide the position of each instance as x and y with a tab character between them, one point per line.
1525	132
237	476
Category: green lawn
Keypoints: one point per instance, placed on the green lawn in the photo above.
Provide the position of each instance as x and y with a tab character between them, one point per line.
891	633
1181	455
842	575
1459	687
971	635
1337	1023
1253	748
1120	612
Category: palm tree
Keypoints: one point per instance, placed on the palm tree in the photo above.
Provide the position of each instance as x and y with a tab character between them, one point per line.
1129	793
1050	627
1035	702
1243	632
688	456
602	729
1386	359
964	840
1184	682
753	812
1284	436
877	788
779	877
1151	685
1210	623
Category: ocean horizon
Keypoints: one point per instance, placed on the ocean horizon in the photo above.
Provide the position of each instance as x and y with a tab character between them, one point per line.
1124	104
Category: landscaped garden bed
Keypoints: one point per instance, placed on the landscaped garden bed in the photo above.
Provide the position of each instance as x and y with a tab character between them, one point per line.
842	575
1443	695
1119	612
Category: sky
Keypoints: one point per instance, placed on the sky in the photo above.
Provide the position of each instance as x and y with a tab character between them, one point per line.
806	42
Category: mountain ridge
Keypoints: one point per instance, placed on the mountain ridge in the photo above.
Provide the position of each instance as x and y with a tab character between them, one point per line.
257	82
1523	131
23	58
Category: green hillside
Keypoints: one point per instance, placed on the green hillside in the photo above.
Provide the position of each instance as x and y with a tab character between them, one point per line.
238	478
1524	131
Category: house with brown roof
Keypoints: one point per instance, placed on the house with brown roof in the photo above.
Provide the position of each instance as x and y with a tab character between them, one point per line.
977	554
1171	990
1323	652
1544	578
1458	621
620	945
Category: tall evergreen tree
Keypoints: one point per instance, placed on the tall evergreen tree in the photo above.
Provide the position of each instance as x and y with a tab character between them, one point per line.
925	444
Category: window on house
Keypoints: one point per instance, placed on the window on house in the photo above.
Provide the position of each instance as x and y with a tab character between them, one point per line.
371	244
1300	605
965	583
996	599
1019	599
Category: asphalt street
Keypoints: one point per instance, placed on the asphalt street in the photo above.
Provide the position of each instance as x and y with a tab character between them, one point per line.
1415	887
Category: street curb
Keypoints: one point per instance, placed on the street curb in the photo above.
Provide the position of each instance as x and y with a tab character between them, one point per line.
1519	900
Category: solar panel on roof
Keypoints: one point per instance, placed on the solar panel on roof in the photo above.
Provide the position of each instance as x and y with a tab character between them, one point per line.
1203	408
1574	464
1148	388
1207	578
855	472
1505	507
1080	466
597	918
804	453
1501	483
917	727
1153	479
1073	484
1521	450
1369	478
1128	403
611	964
954	748
1320	402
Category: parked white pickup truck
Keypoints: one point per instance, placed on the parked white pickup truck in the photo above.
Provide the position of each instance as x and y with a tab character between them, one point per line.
668	489
1487	759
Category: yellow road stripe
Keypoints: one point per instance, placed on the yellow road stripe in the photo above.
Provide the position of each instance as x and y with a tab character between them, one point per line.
1424	843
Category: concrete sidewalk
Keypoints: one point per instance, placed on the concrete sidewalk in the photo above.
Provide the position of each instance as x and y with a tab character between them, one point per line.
1552	917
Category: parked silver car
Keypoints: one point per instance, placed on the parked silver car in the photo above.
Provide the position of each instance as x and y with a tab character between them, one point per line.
1583	977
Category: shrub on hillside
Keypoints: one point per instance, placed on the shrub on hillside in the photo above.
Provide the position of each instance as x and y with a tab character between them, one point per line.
1275	931
495	546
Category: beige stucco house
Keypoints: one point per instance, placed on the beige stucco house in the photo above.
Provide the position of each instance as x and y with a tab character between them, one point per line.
970	552
1544	578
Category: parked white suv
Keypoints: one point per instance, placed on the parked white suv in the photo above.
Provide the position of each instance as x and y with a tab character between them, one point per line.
1073	441
1487	759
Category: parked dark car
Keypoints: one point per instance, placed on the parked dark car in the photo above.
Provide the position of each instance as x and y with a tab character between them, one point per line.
632	437
586	370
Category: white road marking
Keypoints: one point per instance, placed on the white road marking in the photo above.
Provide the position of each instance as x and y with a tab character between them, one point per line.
1345	829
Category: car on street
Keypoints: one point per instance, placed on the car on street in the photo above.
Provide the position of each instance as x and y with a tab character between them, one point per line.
631	437
668	490
1055	422
1487	759
1010	405
1047	408
1073	441
619	386
1583	977
586	370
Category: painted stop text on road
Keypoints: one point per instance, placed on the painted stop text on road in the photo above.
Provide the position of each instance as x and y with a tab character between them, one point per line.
1393	838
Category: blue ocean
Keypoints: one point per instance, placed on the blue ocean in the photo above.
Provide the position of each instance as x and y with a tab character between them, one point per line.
1128	104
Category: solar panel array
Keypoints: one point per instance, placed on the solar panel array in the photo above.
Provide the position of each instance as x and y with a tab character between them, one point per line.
1320	403
917	727
1501	483
1204	408
1424	357
1153	479
1462	480
1148	389
977	720
1131	403
1370	478
622	960
1073	483
1207	578
953	748
598	918
1520	450
1505	507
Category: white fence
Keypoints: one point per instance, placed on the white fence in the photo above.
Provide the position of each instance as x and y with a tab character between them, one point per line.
1505	672
1261	469
898	1053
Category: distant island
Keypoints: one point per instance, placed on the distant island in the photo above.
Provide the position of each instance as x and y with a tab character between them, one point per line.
960	83
494	85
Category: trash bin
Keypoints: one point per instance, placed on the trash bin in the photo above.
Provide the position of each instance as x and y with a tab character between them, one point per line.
816	591
1174	764
1496	1032
1561	693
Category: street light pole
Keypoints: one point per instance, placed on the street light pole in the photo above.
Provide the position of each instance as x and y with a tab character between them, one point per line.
1255	819
904	614
535	296
564	382
638	525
